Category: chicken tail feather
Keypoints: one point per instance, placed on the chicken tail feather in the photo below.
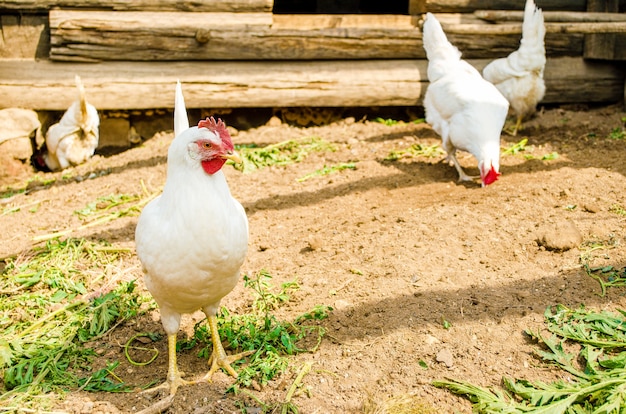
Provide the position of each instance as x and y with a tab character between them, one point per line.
533	28
81	99
435	41
181	121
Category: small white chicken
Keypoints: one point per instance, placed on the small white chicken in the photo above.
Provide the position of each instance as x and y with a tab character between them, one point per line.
519	76
193	238
74	139
464	109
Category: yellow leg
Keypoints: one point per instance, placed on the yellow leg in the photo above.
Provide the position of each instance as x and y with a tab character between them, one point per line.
518	126
218	358
174	378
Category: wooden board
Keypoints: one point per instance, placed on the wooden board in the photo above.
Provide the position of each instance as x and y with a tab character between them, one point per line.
134	36
47	85
603	45
468	6
24	36
238	6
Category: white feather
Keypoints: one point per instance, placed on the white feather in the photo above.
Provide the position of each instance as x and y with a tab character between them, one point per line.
464	109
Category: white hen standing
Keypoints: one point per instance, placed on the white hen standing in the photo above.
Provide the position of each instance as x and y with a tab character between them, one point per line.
519	76
74	139
466	110
193	238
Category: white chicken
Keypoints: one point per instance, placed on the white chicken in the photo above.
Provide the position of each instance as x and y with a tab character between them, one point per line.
74	139
193	238
519	76
464	109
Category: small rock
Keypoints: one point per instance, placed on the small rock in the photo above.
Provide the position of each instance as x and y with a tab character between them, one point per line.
341	305
431	340
446	357
591	207
274	121
560	236
315	242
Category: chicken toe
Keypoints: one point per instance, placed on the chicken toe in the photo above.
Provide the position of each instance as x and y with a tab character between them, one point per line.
174	376
218	358
462	175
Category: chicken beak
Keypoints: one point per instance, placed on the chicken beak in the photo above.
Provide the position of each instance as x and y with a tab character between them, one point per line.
233	156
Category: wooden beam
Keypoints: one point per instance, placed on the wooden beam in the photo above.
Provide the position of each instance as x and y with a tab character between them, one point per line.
238	6
46	85
499	16
468	6
90	36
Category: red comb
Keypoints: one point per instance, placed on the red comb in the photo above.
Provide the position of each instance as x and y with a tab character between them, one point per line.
217	127
491	176
212	124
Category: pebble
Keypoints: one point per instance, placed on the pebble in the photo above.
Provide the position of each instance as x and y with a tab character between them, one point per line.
446	357
560	236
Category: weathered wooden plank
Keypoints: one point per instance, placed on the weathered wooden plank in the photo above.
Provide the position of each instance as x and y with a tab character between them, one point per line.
468	6
103	36
603	45
24	36
499	16
239	6
46	85
512	28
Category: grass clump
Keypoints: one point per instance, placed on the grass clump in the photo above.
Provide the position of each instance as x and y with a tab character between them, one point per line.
597	365
52	303
260	330
416	150
279	154
327	170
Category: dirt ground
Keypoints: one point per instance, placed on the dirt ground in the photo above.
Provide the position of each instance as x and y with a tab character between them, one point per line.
395	248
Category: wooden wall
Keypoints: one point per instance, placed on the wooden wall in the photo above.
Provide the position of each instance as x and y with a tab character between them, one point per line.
237	53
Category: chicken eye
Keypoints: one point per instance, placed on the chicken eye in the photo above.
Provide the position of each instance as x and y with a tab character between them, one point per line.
207	145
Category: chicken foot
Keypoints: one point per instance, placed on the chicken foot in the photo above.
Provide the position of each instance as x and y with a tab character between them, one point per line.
462	176
512	130
218	358
174	376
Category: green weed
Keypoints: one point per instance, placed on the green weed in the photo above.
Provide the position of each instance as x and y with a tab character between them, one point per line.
70	302
327	170
416	150
258	329
516	148
618	209
282	153
598	368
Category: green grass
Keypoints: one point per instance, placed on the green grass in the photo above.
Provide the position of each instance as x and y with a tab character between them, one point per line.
328	170
71	302
416	150
258	329
52	303
280	154
595	367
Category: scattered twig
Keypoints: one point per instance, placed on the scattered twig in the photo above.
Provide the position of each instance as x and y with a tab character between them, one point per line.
159	406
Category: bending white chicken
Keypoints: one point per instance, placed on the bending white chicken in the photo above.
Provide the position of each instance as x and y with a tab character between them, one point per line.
466	110
74	139
519	76
193	238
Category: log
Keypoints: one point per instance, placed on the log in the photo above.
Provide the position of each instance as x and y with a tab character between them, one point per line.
511	28
95	36
499	16
45	85
239	6
134	36
468	6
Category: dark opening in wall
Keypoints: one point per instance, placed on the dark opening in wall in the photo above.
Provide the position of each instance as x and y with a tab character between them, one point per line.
341	7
